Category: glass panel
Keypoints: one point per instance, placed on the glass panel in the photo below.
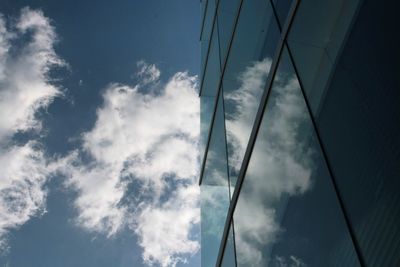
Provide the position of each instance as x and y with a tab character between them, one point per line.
315	48
287	213
227	11
214	192
359	125
213	71
247	69
282	8
216	163
214	201
206	30
228	259
203	4
206	111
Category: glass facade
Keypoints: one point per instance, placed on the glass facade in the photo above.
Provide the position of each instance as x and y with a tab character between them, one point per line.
300	133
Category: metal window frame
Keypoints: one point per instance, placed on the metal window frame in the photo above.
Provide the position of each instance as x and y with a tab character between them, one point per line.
256	126
219	90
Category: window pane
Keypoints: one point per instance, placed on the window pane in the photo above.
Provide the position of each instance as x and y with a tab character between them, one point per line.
206	111
203	7
215	171
207	29
227	11
282	8
246	72
228	259
213	71
359	126
214	192
315	39
287	212
214	204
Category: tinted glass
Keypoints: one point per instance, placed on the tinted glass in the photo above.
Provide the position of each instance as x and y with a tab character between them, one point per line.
228	259
212	71
227	11
206	111
287	213
282	8
203	4
214	191
215	171
359	123
207	29
315	39
214	203
247	69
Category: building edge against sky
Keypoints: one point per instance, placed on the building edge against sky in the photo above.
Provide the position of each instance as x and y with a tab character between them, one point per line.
300	135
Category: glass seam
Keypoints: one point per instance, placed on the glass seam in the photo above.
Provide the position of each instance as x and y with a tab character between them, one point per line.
218	90
202	20
203	70
328	165
256	127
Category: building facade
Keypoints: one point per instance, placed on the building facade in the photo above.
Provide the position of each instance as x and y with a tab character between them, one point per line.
300	133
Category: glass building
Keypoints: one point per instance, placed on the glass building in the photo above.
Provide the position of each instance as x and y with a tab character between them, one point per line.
300	133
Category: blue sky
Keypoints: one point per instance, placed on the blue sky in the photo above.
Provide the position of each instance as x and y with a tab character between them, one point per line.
99	133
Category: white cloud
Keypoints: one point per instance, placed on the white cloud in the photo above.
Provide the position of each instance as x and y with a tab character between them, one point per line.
25	88
22	194
147	139
24	80
164	229
147	73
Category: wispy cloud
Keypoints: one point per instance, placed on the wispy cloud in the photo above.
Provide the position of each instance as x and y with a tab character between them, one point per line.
147	73
147	141
25	88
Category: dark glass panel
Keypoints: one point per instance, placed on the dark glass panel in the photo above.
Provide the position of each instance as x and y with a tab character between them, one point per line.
359	126
315	40
203	4
206	111
227	11
228	259
212	73
247	69
214	191
207	29
282	8
215	172
287	212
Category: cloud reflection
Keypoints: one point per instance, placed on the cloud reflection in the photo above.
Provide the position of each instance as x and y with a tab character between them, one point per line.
280	167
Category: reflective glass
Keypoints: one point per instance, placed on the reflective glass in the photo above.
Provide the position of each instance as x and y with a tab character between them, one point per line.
359	123
214	191
247	69
203	4
315	39
207	29
213	71
214	202
227	10
287	212
282	8
228	259
206	111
